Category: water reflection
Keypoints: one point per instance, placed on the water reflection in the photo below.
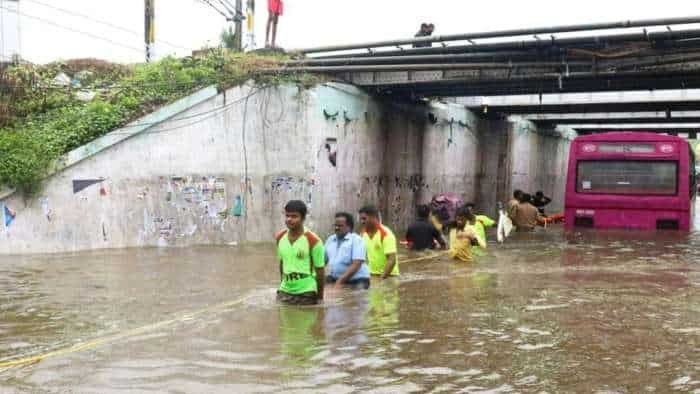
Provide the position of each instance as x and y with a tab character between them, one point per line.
383	309
344	320
301	333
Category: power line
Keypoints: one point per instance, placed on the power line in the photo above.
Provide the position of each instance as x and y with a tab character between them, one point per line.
117	27
227	6
210	114
87	34
217	9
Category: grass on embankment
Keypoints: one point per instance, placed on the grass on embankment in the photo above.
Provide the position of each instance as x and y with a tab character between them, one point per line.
40	119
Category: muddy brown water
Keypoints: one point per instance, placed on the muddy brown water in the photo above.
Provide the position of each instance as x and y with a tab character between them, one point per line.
598	312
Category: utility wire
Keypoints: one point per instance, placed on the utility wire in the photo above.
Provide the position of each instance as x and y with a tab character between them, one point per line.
227	5
117	27
209	114
87	34
207	2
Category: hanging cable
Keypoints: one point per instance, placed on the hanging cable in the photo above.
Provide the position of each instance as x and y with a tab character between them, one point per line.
87	34
113	26
215	8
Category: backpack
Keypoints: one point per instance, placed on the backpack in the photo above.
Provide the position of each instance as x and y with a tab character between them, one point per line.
444	206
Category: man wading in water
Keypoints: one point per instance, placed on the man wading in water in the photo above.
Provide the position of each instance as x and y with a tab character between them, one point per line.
380	243
301	256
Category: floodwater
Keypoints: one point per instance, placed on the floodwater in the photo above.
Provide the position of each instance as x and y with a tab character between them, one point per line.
604	312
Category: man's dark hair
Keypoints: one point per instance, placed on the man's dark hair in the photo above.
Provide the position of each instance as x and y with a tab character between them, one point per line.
370	210
539	193
423	211
423	26
517	193
348	219
464	212
470	205
525	197
296	206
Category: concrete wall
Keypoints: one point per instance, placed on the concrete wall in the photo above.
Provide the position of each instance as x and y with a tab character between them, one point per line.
539	160
495	165
219	169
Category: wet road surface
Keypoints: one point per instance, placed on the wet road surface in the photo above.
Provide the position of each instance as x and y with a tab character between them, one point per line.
604	312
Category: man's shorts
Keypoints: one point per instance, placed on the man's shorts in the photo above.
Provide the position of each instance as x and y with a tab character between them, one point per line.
275	7
297	299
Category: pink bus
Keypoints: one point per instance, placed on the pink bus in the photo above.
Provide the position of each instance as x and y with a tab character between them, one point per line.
642	181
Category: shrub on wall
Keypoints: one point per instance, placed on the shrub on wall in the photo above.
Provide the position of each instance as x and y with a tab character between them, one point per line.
46	111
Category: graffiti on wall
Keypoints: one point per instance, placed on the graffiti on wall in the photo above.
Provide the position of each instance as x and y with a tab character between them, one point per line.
414	183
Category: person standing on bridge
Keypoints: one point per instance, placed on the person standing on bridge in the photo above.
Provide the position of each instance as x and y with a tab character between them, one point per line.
426	30
382	250
301	258
275	9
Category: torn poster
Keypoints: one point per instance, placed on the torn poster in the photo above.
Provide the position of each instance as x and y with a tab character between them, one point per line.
237	207
82	184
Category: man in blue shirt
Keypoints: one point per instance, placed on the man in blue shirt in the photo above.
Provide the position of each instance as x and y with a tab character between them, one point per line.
346	255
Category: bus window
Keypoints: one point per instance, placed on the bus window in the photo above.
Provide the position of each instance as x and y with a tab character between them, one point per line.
627	177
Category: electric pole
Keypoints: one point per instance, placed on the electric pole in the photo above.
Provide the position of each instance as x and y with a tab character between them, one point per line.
150	28
250	34
232	13
238	20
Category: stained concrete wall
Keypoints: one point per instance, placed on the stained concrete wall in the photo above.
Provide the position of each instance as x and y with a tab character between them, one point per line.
495	173
219	171
539	161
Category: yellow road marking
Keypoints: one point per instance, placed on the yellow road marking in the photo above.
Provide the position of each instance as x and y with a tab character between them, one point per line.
144	329
124	334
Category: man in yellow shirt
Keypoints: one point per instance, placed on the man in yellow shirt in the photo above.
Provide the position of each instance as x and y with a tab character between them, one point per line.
463	236
381	244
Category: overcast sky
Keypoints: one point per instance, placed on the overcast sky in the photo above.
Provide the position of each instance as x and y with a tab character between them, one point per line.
191	24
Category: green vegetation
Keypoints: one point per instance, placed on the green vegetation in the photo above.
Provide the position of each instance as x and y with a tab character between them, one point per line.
228	38
43	117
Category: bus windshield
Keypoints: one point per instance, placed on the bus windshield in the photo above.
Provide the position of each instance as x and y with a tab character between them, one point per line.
627	177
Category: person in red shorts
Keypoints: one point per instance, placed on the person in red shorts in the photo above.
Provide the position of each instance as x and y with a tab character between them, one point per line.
275	8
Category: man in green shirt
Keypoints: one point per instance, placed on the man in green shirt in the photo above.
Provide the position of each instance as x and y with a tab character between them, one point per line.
482	222
301	257
381	244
